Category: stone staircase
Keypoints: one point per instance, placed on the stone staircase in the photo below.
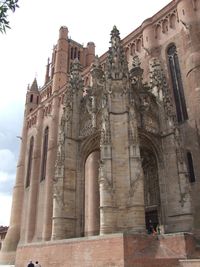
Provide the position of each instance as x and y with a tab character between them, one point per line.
194	258
190	263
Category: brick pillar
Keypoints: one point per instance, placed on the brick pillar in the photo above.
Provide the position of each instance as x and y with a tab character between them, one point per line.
121	176
34	181
8	250
61	61
50	170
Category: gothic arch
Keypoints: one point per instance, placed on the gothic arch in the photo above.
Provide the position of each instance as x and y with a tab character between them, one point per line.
151	142
91	194
151	156
88	146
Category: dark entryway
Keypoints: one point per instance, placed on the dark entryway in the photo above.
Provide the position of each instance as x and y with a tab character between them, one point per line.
151	219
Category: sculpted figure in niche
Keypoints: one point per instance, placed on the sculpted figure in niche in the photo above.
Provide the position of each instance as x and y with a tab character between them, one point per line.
133	124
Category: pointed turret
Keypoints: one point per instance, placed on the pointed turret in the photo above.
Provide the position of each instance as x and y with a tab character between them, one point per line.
32	97
117	66
47	76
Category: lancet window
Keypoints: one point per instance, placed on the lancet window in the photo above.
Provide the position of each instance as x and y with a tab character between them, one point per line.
190	167
44	153
31	98
177	84
30	158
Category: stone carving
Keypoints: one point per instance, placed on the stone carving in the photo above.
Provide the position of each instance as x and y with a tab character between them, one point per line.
97	74
108	186
67	110
178	145
88	112
58	196
182	170
105	132
76	81
145	101
91	103
134	184
133	133
116	64
59	166
89	100
105	124
87	129
75	87
136	74
160	88
156	77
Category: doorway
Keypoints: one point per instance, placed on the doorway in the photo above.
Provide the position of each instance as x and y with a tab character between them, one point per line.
151	220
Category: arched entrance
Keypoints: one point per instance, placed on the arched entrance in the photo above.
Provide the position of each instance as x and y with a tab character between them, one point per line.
151	188
92	202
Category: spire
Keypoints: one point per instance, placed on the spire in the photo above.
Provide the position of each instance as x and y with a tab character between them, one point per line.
34	86
47	77
117	66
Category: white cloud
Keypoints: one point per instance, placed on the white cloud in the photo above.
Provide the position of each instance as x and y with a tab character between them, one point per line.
7	161
4	177
5	208
6	183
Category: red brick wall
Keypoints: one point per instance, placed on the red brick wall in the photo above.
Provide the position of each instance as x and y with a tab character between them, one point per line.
110	250
91	252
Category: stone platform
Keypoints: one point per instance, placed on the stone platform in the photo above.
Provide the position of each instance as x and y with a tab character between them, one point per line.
190	263
110	250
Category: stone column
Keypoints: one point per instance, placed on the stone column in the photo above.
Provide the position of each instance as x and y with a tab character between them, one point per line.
58	223
92	194
34	181
50	170
107	193
8	250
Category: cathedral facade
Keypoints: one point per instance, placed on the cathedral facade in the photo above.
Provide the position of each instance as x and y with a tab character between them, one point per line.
110	145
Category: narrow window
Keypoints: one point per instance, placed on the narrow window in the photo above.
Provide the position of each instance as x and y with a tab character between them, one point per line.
44	153
31	98
181	110
29	166
37	99
75	52
190	168
72	53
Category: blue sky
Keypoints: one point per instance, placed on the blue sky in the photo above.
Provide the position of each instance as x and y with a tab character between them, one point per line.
23	56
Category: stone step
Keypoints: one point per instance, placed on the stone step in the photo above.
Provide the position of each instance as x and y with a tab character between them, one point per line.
190	263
